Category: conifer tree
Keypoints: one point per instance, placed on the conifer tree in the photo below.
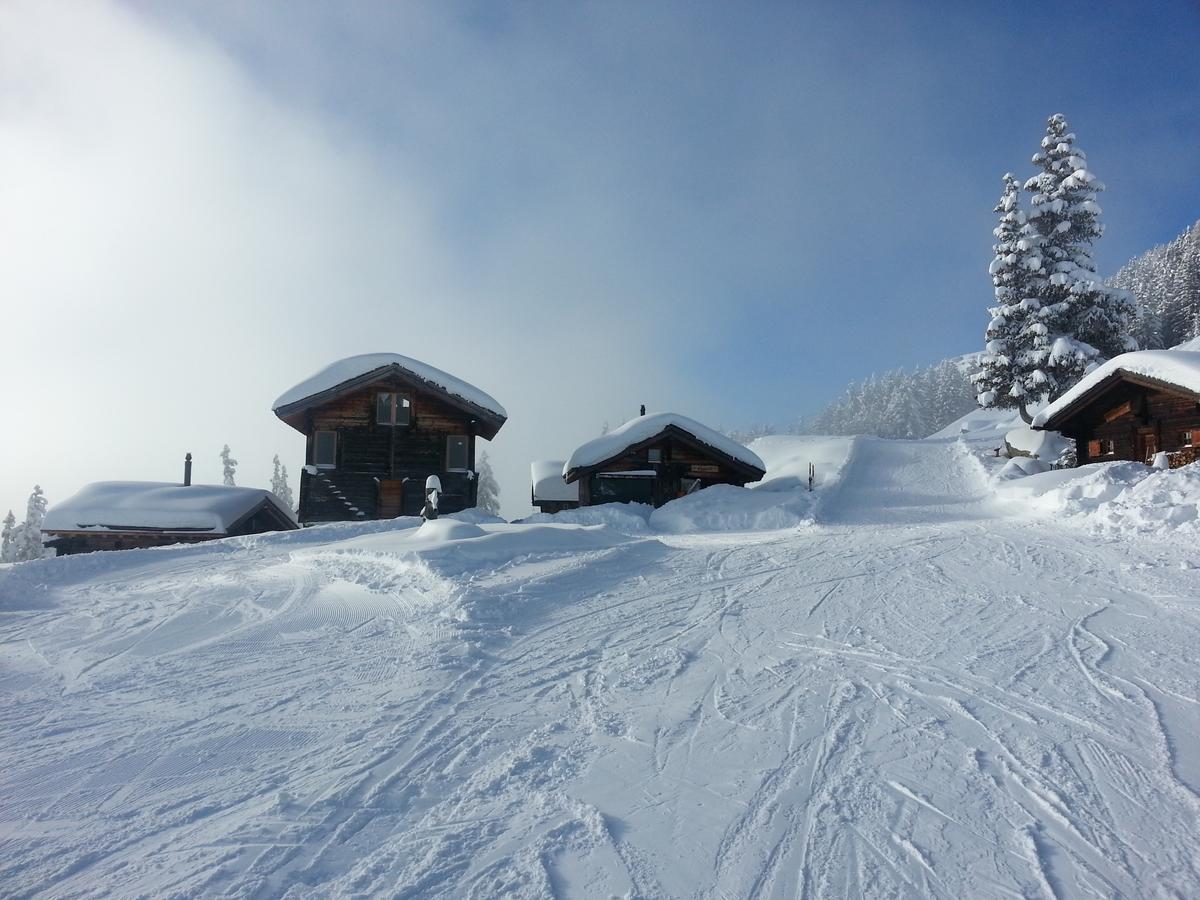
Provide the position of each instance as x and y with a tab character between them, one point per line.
228	466
27	537
1053	318
279	483
487	495
6	538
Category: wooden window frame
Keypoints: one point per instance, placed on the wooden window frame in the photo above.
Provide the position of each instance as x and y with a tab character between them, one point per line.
466	444
1108	447
399	401
317	447
650	455
1187	438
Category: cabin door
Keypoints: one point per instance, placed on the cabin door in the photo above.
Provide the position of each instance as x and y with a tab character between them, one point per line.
1148	445
391	498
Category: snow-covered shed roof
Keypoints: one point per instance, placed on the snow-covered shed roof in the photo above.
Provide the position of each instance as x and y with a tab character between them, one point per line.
349	373
159	506
643	429
548	482
1178	369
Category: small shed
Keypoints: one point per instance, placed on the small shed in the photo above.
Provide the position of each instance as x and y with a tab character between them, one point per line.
378	425
551	493
656	458
1132	407
124	515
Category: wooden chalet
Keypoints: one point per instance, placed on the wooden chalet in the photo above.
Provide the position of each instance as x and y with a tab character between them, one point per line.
377	426
1131	408
655	459
128	515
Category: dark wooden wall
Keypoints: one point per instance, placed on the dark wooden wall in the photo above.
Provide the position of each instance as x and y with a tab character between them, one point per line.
680	460
369	453
1133	413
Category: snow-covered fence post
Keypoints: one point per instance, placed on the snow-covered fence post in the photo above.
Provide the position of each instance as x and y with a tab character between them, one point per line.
812	474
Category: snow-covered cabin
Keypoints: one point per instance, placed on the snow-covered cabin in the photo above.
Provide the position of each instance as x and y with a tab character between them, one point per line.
550	492
378	426
656	458
1132	407
123	515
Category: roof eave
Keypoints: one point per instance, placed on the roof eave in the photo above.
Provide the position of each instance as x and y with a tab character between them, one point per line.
288	411
753	472
1117	376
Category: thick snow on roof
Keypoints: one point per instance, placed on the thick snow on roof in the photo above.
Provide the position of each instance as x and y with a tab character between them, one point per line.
124	505
354	366
548	482
1178	367
643	428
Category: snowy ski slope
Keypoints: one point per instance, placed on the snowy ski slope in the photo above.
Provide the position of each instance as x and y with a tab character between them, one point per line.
916	695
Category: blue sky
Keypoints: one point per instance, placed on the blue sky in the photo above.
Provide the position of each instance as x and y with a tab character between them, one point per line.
726	209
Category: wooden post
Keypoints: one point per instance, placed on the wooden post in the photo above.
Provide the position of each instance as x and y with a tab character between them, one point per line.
187	470
812	474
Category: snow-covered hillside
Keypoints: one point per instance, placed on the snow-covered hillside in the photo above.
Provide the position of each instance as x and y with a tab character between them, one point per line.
911	689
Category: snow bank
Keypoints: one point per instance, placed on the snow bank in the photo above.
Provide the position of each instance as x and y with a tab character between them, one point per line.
786	458
1113	496
125	505
643	428
1047	446
1178	367
627	518
980	425
548	484
356	366
726	507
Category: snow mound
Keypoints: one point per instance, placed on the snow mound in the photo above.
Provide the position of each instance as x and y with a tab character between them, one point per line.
125	505
643	428
980	425
1020	467
1044	445
786	458
356	366
726	507
1114	497
476	516
626	518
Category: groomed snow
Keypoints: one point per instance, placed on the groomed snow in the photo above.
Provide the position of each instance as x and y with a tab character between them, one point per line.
125	505
924	692
645	427
548	482
1178	367
355	366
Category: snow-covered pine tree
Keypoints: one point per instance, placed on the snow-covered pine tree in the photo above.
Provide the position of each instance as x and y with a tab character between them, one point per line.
279	483
6	538
1053	318
487	495
1017	338
228	466
1088	321
27	537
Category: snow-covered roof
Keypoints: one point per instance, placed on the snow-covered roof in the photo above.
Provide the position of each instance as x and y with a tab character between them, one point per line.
357	366
1173	367
643	428
158	506
548	482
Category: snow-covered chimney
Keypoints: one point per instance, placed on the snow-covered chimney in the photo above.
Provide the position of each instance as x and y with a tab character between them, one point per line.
187	470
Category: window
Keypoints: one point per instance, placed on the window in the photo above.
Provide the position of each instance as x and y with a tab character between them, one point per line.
392	409
654	455
1186	439
325	449
456	452
1107	448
